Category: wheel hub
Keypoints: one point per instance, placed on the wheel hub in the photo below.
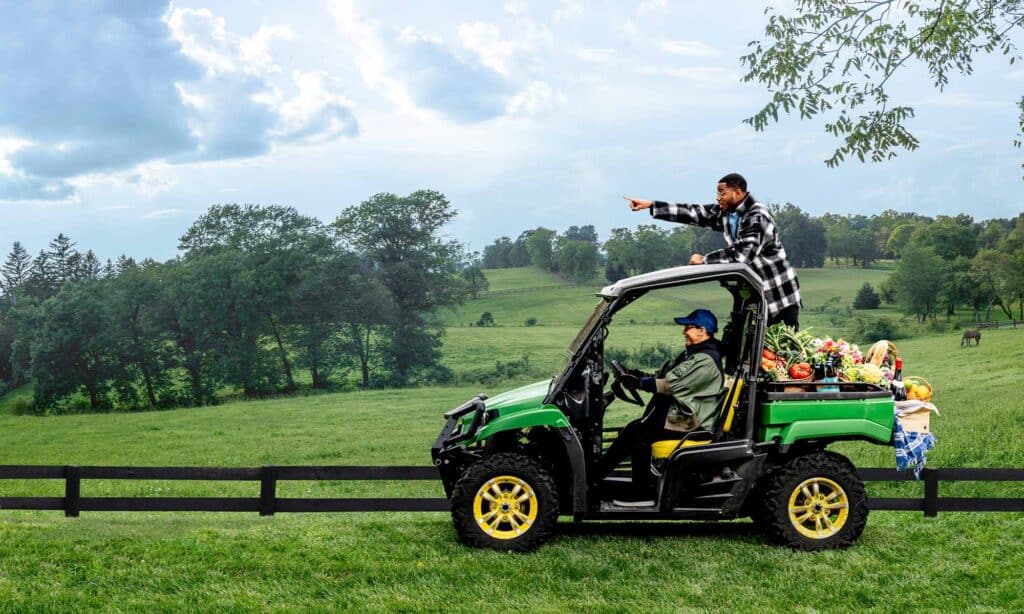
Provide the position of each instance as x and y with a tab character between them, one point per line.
505	507
818	508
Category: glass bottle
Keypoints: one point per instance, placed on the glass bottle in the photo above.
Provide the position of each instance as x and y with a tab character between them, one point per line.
899	390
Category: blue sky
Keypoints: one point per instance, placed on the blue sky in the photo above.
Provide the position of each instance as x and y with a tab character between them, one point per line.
120	123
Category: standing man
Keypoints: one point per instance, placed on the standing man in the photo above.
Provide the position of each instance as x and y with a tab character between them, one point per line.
750	237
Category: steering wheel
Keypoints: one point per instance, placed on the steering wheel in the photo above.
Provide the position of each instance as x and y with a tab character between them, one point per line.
620	391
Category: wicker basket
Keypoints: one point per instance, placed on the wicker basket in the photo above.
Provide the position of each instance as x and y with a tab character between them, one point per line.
806	380
918	381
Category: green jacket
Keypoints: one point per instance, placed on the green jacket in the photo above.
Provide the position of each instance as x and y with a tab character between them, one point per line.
696	384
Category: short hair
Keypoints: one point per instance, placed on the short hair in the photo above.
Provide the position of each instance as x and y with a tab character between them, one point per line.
734	180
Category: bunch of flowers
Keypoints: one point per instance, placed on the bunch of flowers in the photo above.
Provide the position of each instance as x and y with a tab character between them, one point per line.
848	353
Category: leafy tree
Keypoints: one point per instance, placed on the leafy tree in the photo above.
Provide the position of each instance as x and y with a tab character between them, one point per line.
486	319
72	347
473	274
276	244
576	258
994	273
519	255
141	343
581	233
497	255
949	237
540	247
402	236
919	280
866	298
803	236
835	60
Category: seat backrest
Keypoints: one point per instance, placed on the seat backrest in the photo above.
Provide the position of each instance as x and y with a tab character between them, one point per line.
727	407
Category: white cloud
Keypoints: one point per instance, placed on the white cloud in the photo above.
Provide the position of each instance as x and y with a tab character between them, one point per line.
139	83
162	213
568	10
318	113
597	56
688	48
371	52
485	40
961	100
651	6
703	75
517	8
538	97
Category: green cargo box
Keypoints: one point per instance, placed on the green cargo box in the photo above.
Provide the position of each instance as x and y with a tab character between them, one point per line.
855	412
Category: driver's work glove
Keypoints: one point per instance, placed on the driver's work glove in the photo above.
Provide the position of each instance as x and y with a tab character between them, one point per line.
647	384
638	373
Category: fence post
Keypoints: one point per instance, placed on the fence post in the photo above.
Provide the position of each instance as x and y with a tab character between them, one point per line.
72	491
268	488
931	492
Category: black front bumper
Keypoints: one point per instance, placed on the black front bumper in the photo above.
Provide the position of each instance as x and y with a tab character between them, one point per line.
449	451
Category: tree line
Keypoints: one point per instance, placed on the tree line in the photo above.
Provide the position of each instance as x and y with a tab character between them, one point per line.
946	263
257	294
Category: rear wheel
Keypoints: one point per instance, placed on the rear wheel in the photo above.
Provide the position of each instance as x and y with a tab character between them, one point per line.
506	502
815	502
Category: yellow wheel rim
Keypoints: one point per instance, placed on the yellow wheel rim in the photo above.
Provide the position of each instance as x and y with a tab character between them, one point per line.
818	508
505	507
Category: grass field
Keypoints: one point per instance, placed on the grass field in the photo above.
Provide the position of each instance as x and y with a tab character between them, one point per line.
411	562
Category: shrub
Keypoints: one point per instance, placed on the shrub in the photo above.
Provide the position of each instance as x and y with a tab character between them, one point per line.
531	321
486	319
866	298
23	406
869	330
887	290
503	370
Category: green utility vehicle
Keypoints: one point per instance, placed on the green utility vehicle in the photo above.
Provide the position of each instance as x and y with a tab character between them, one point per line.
513	463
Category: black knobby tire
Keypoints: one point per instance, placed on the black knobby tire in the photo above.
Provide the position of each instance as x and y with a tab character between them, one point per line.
476	478
819	474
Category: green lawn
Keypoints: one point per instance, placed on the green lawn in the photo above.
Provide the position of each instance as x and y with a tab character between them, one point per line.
411	562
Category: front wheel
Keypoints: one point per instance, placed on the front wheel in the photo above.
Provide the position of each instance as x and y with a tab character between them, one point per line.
506	502
815	502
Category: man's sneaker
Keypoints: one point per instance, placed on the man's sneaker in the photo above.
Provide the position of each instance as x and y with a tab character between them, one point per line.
646	503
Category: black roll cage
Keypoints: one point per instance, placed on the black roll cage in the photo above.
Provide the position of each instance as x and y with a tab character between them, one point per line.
746	289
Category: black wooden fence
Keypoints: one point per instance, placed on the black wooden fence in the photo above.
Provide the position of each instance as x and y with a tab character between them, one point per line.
268	503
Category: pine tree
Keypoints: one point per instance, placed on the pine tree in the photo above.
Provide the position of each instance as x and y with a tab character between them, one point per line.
42	281
16	269
64	258
89	266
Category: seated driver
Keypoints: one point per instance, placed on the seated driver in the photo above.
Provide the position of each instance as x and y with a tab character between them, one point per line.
687	390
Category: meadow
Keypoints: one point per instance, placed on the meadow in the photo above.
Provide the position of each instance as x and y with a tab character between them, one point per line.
412	562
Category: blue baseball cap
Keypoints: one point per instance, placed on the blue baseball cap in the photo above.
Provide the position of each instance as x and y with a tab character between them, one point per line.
700	317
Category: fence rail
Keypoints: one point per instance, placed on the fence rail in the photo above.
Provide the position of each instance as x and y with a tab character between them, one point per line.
508	291
268	503
998	324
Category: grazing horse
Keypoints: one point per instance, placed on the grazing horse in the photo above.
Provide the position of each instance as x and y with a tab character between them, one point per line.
968	335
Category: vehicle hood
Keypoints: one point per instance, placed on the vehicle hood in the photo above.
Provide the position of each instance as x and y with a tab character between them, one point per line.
524	397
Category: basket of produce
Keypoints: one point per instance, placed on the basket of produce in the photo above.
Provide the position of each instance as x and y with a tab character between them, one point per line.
865	372
785	356
881	353
918	388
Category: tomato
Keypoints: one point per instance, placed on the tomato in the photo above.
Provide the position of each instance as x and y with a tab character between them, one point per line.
770	355
800	370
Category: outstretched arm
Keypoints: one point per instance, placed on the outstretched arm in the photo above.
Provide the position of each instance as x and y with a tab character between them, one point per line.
697	215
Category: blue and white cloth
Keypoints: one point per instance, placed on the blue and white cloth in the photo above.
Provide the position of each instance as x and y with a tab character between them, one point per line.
911	448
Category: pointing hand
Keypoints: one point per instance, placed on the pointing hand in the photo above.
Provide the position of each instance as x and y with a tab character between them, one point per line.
635	204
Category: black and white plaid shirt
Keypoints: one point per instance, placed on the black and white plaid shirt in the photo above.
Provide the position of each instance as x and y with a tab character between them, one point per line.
756	244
